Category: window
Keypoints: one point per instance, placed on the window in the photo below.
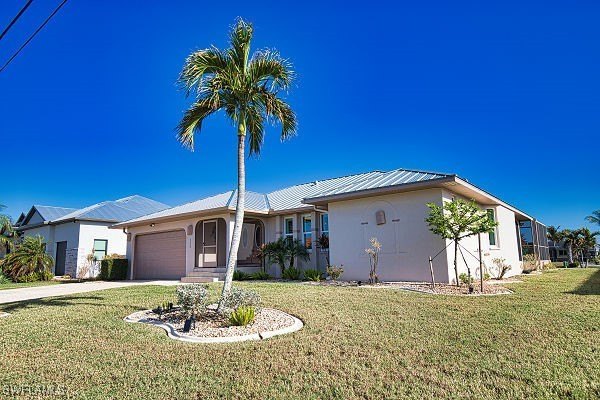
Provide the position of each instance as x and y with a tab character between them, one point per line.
492	235
307	231
325	225
288	229
100	247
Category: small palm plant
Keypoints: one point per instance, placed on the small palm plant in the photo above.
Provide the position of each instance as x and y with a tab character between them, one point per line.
28	257
7	233
247	88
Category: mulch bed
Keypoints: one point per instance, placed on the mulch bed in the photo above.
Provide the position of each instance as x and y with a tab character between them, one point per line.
212	324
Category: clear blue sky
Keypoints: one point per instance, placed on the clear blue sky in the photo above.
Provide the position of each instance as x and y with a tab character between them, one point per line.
505	95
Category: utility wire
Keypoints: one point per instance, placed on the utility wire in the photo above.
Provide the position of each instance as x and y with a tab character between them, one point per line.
15	19
33	35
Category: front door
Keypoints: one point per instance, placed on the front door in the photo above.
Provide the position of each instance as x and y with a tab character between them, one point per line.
209	244
61	256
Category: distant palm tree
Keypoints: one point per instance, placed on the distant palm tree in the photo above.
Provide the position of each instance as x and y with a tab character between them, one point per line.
571	238
554	234
7	233
28	257
586	240
594	218
247	89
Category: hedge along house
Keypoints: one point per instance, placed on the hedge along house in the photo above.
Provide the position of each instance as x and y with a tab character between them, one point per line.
71	235
191	241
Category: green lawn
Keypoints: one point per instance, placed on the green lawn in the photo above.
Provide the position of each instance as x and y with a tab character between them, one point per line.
542	342
13	285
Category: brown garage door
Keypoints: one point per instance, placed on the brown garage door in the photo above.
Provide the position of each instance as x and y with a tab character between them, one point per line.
160	255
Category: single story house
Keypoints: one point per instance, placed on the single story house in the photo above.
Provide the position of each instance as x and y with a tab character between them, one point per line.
191	241
71	235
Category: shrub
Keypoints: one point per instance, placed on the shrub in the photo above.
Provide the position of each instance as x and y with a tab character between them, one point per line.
241	276
192	298
114	269
4	279
29	257
501	267
292	274
335	272
239	297
313	275
530	263
242	316
486	276
261	276
466	279
34	277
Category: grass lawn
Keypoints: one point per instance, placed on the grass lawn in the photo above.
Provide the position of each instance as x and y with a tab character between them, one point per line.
542	342
13	285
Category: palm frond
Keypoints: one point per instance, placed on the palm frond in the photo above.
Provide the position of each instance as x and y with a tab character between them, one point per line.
268	69
191	123
255	129
279	110
202	63
240	38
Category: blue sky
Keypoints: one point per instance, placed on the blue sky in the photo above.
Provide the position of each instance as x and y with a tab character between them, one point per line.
505	95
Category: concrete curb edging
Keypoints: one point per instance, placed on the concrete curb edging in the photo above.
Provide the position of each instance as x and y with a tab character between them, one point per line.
173	334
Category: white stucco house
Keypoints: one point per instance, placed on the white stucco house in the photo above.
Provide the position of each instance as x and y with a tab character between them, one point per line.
72	234
191	241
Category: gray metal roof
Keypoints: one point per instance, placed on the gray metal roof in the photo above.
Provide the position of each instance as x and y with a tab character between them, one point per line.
291	198
395	177
50	213
118	210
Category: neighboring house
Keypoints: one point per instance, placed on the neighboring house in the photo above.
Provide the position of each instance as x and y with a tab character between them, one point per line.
71	234
560	253
192	241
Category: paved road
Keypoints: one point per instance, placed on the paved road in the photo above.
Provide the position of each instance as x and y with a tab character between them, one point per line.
31	293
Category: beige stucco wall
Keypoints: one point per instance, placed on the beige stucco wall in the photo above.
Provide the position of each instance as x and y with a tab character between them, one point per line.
406	240
506	245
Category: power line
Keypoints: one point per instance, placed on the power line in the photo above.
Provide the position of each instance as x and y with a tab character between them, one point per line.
15	19
33	35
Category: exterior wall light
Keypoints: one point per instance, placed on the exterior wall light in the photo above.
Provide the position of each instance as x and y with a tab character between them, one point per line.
190	230
380	217
152	225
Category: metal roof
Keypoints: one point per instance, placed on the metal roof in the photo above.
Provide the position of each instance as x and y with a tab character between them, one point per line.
384	179
50	213
110	211
291	198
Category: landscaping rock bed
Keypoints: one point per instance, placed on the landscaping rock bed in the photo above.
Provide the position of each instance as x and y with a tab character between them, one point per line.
489	287
214	328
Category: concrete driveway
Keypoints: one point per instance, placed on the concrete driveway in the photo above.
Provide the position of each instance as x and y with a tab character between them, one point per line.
31	293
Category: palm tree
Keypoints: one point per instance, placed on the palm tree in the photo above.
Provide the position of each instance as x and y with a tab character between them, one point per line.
554	234
296	249
247	89
594	218
7	233
586	240
28	257
570	237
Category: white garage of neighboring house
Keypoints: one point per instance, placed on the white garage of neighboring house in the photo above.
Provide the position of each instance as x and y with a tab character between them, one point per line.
191	241
71	235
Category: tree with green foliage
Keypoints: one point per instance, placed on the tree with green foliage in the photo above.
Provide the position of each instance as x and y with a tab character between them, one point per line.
594	218
283	252
28	257
247	88
571	238
7	232
586	240
457	219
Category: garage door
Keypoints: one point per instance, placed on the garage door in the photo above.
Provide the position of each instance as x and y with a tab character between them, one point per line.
160	255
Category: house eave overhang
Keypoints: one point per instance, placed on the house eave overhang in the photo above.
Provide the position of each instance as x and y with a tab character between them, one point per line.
191	214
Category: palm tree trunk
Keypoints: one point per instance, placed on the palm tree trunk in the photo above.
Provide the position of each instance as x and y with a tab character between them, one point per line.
456	261
239	215
570	252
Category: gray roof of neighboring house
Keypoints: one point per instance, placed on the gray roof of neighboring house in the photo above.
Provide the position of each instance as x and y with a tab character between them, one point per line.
50	213
292	197
109	211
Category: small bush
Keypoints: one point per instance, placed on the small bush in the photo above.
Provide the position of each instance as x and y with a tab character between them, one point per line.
242	316
239	297
31	277
241	276
501	267
192	298
114	269
291	273
313	275
335	272
4	279
486	276
466	279
261	276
